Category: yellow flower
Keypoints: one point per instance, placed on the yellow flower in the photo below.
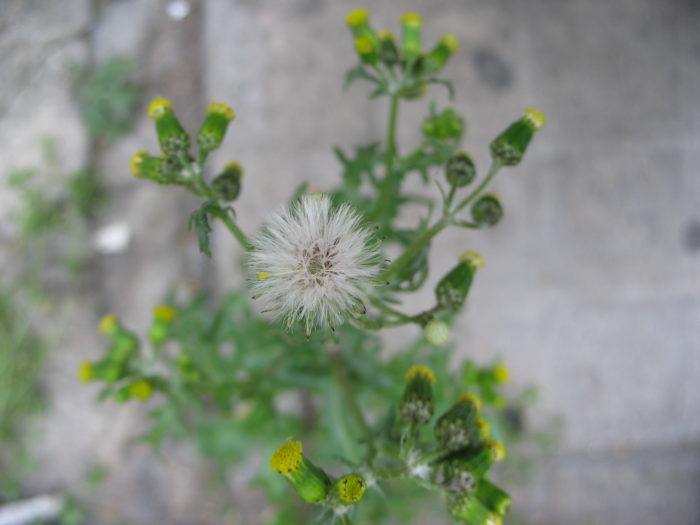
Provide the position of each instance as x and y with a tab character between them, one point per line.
141	390
109	324
287	458
86	372
421	371
220	108
501	373
164	313
357	17
158	107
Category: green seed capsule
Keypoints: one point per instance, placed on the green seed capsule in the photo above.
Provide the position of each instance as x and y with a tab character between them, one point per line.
453	288
487	211
216	120
460	170
417	402
227	184
510	146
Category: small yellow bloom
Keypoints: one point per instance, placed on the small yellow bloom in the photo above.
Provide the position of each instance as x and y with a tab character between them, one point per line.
357	17
350	488
287	458
484	427
411	19
86	372
141	390
164	313
385	34
220	108
450	40
421	371
501	373
498	451
468	397
364	45
535	117
472	257
109	324
135	163
158	107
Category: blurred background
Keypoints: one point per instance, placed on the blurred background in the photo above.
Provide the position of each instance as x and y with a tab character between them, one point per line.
591	290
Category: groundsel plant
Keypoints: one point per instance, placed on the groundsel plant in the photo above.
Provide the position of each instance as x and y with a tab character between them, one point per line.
314	264
318	266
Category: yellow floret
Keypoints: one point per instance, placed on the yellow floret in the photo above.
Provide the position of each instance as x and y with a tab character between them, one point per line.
421	371
351	488
364	45
484	426
221	109
158	107
357	17
141	390
164	313
472	257
411	19
450	40
135	163
497	449
86	372
468	397
501	373
108	324
287	458
535	117
385	34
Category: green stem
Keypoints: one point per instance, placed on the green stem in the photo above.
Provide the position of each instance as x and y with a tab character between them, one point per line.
413	249
379	305
389	185
495	166
233	227
353	405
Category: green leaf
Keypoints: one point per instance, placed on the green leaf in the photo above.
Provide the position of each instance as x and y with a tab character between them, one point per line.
199	220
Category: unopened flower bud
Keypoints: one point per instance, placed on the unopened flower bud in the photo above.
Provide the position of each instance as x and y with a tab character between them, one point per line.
455	428
172	136
510	146
460	170
310	482
417	402
446	125
500	373
141	390
367	49
163	316
411	25
436	332
157	169
493	497
415	91
487	210
453	288
349	489
109	325
388	52
86	372
227	185
475	461
358	22
436	59
468	509
216	120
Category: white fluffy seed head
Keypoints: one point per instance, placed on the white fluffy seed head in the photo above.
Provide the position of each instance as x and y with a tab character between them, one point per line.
313	263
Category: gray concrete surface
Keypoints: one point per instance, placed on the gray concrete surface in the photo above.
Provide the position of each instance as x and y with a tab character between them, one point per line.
592	284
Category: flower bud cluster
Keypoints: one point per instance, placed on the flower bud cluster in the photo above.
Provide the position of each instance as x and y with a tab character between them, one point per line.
175	163
120	367
465	450
403	58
